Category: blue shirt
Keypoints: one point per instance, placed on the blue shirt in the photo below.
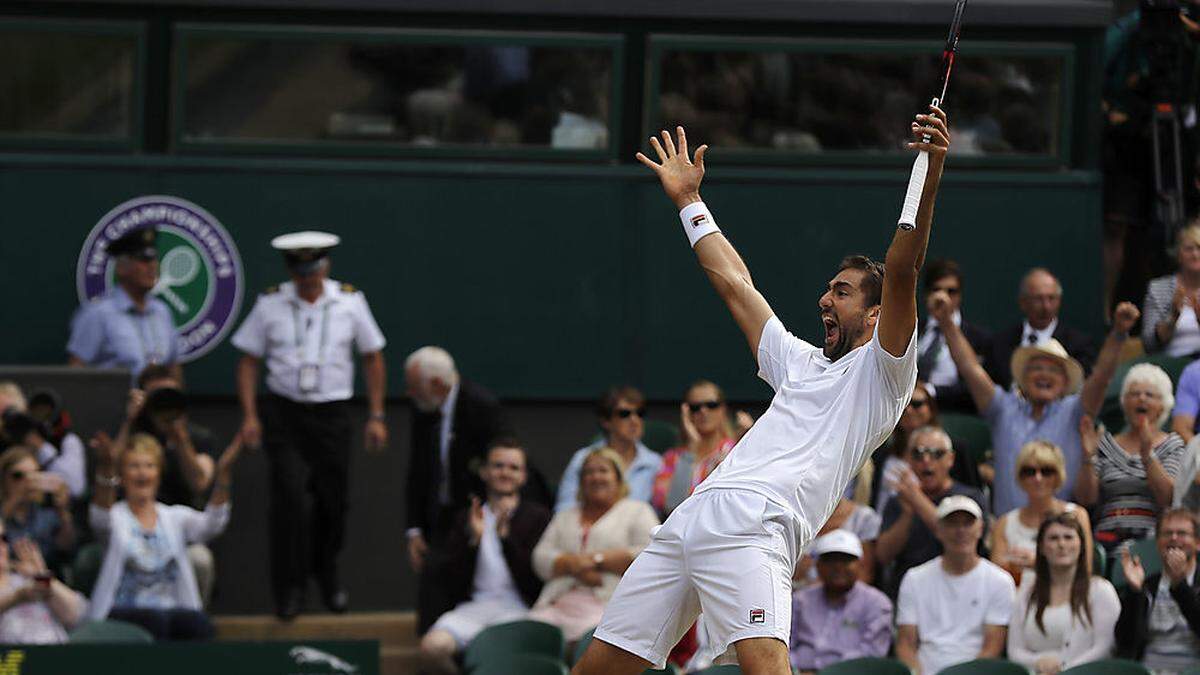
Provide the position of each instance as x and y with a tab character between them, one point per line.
1013	425
640	476
110	332
1187	395
824	634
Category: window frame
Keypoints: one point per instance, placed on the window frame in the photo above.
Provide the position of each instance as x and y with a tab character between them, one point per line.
183	31
1060	157
134	137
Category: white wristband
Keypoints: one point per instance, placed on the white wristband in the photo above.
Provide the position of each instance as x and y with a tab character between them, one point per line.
697	222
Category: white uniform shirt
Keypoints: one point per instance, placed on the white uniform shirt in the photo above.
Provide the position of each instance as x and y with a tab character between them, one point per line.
825	420
293	335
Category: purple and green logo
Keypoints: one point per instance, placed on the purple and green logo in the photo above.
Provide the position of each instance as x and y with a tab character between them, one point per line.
199	269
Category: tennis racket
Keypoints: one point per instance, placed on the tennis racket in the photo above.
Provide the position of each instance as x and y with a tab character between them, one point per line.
916	181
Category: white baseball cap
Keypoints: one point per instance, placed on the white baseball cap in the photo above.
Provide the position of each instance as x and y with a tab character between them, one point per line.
838	541
955	503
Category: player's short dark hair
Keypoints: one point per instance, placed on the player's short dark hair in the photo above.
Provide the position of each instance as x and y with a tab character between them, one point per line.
936	270
872	281
608	403
153	373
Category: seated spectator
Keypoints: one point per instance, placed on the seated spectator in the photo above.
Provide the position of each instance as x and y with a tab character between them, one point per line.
1040	300
487	560
1064	616
708	435
36	505
44	426
921	411
1170	325
1187	402
1131	476
1160	614
859	520
1040	470
35	607
146	577
956	607
621	413
587	547
1046	405
842	618
944	280
907	536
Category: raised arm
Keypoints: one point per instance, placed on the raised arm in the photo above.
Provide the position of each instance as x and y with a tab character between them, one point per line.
906	255
1091	396
681	176
978	382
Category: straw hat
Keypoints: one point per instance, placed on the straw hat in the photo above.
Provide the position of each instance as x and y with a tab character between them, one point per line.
1051	349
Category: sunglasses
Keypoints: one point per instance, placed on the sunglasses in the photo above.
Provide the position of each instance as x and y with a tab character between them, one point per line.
711	405
17	475
948	291
626	413
917	403
1031	471
933	453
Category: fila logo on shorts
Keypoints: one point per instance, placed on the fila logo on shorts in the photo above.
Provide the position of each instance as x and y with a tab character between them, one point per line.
758	616
699	219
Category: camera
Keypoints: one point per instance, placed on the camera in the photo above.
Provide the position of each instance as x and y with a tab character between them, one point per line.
15	427
166	403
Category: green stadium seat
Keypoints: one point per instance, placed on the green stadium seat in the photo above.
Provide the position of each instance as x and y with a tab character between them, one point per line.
660	436
516	637
971	429
110	630
581	646
669	670
1108	667
86	567
1147	550
1099	560
722	670
985	667
525	664
869	665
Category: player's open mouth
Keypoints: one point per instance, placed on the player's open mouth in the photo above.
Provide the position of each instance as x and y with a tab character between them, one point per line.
831	329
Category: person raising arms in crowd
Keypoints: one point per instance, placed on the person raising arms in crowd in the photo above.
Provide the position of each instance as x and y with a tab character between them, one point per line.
1170	325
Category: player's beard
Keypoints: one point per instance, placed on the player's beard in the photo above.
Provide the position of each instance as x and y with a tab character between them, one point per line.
848	336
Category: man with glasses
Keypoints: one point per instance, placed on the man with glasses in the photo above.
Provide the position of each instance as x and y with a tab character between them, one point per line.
621	413
944	283
1040	300
910	520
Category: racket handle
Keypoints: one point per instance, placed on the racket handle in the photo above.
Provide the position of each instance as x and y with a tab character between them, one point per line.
916	186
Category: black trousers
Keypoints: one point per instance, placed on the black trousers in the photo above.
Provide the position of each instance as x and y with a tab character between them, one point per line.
168	625
308	447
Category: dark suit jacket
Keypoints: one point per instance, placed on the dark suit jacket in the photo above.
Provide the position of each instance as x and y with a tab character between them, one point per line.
478	420
1078	344
456	559
956	397
1134	625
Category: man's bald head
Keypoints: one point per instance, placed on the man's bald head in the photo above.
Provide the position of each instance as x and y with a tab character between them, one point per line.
1040	298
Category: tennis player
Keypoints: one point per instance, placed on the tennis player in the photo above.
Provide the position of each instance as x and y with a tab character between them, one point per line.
730	549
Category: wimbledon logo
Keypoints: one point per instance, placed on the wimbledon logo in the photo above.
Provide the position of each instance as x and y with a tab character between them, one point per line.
199	269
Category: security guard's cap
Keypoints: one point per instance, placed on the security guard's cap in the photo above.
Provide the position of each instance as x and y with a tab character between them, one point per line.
141	243
304	251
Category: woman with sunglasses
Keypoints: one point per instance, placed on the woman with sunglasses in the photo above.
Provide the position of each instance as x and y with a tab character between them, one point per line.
1066	615
146	577
1041	471
709	436
36	505
1131	475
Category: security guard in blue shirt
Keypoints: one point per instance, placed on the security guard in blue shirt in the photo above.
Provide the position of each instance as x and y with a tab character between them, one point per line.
127	326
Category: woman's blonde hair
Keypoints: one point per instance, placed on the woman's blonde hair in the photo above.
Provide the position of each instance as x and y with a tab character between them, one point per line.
1043	453
14	455
1190	233
611	456
1148	373
143	444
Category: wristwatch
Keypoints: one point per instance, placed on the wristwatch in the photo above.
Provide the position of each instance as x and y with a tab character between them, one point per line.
598	559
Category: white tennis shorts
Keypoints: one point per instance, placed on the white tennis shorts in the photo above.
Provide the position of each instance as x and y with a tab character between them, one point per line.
727	553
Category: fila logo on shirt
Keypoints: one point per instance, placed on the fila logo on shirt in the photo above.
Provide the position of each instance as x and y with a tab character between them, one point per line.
699	219
758	616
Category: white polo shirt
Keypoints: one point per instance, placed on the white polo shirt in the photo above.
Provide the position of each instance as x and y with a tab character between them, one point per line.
825	420
292	336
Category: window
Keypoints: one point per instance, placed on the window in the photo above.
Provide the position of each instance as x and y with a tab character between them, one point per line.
383	91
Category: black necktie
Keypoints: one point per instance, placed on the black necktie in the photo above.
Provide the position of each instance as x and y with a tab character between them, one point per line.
1033	338
928	360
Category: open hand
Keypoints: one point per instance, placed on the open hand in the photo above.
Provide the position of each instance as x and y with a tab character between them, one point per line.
1131	565
679	174
106	450
134	404
691	437
29	562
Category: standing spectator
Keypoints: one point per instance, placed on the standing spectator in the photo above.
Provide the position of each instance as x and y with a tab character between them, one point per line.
621	413
1160	614
454	423
305	330
47	429
587	547
24	491
910	522
1130	477
842	618
1170	324
127	327
1046	405
1041	469
487	560
709	436
35	607
146	577
944	280
1065	616
956	607
1040	300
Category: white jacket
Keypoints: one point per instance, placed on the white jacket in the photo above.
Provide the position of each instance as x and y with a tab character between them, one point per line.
1084	643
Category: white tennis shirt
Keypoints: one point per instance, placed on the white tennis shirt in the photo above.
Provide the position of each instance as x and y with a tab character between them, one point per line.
826	418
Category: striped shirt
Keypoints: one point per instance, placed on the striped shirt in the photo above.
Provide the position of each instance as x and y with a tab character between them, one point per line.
1172	646
1127	507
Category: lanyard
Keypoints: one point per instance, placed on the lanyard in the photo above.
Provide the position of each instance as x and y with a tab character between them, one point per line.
299	332
141	322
